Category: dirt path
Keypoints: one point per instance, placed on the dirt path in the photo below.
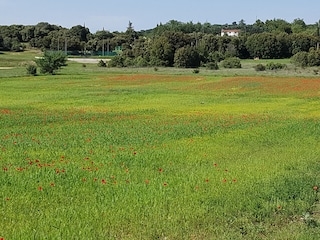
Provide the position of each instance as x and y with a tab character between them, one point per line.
5	68
86	60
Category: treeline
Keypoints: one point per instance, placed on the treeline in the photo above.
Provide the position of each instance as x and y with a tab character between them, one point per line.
171	44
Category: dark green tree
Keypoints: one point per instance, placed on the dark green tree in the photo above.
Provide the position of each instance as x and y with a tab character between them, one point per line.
187	57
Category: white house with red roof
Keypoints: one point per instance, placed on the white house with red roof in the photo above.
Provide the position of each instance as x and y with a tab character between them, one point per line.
230	32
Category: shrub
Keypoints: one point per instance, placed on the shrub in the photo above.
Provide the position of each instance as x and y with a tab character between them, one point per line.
300	59
140	62
215	57
32	69
117	61
101	63
51	62
212	65
231	63
260	67
196	71
186	57
275	66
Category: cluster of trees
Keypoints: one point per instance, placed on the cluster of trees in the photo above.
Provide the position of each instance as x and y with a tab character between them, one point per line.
171	44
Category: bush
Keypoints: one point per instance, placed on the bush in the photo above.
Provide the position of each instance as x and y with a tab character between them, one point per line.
140	62
32	69
231	63
101	63
117	61
260	67
212	65
215	57
300	59
186	57
196	71
51	62
275	66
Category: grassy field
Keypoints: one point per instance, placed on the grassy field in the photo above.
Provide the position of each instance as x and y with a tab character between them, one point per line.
98	153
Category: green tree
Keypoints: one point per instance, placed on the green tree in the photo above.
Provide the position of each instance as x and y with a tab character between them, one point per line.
187	57
51	62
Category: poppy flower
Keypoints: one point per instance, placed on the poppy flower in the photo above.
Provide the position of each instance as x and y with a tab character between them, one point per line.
52	184
165	184
103	181
224	180
40	188
160	170
315	188
207	180
146	181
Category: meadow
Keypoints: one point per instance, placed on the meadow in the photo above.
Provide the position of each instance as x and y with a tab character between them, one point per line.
99	153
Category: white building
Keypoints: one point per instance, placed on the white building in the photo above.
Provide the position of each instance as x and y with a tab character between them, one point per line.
230	32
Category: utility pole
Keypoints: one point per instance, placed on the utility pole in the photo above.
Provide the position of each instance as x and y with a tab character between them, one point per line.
318	34
65	45
103	47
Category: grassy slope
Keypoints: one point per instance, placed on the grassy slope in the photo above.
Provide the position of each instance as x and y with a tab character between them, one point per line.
263	131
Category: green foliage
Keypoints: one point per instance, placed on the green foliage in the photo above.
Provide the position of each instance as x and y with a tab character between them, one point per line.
304	59
117	61
196	71
31	69
102	63
231	63
275	66
212	65
260	67
300	59
51	62
187	57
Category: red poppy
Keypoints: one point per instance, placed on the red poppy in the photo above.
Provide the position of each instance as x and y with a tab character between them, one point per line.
7	199
197	187
95	179
40	188
5	169
224	180
165	184
146	181
160	170
315	188
84	179
279	207
234	180
103	181
207	180
216	165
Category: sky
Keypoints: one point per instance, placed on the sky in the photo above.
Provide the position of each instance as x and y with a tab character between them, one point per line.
146	14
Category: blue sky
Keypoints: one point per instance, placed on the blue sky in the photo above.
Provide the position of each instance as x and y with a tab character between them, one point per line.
146	14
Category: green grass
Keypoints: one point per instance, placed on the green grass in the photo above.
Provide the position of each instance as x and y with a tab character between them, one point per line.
96	153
